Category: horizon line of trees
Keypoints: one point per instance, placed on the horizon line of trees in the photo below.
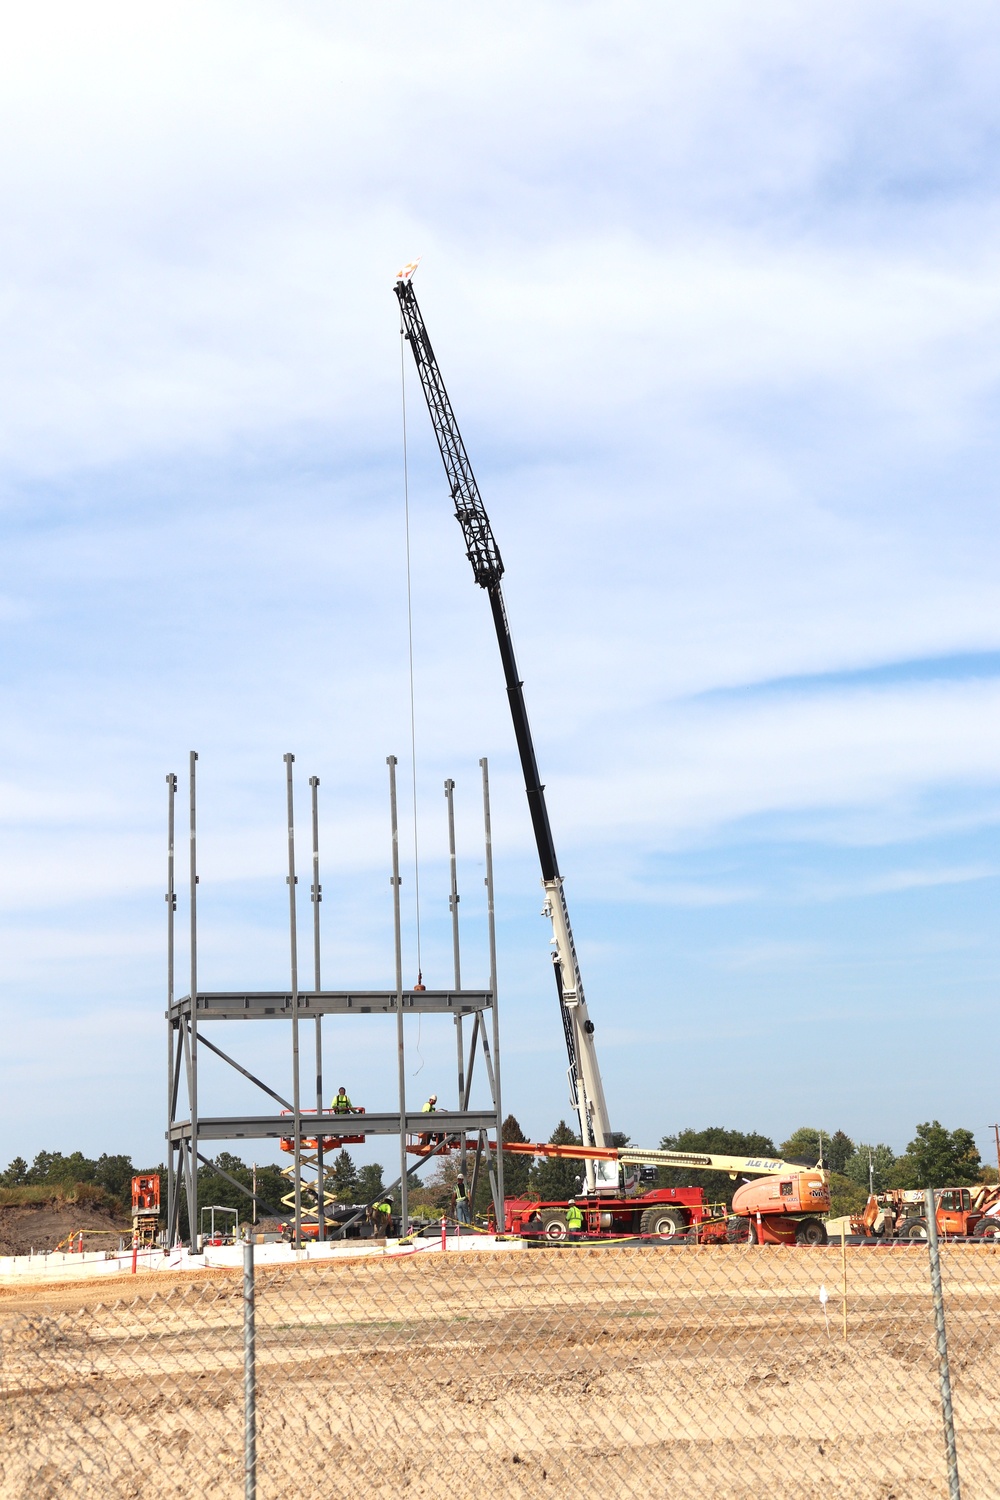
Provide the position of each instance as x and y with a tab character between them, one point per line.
936	1157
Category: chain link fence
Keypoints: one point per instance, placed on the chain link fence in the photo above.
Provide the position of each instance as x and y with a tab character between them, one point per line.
647	1371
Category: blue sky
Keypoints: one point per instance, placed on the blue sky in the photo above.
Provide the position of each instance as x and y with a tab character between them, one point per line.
715	293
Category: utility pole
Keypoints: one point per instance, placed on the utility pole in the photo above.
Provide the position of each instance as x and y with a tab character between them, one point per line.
996	1131
871	1172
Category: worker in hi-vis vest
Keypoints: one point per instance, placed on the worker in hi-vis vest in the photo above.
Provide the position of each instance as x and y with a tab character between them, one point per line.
430	1108
462	1214
574	1218
342	1105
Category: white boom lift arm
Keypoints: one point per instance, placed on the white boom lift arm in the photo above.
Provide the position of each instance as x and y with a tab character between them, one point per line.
607	1161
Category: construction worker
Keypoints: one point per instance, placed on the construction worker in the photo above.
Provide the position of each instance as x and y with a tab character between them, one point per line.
342	1105
382	1214
462	1210
574	1218
430	1108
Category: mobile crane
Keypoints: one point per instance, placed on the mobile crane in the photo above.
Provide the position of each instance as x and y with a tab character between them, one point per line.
782	1209
586	1088
779	1206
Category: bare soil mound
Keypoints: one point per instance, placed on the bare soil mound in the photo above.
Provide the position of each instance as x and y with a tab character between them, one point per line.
26	1227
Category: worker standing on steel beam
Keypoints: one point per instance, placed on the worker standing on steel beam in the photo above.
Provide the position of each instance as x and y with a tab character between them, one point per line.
430	1108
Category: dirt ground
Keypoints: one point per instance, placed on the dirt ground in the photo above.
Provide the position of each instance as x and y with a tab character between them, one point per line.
701	1371
36	1227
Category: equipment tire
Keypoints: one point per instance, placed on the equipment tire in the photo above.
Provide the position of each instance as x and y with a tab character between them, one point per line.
554	1226
987	1229
738	1231
811	1232
668	1223
914	1229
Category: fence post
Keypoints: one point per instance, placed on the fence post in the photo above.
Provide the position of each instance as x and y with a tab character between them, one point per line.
249	1378
944	1373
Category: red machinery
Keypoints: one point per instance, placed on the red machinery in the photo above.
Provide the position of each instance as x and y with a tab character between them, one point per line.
667	1213
782	1210
330	1142
901	1213
145	1208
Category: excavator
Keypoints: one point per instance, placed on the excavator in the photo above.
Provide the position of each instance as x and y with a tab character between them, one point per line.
601	1160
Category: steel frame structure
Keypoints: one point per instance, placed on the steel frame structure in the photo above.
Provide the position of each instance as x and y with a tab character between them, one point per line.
188	1127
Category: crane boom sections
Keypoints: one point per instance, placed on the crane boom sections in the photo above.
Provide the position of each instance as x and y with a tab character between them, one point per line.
470	512
586	1087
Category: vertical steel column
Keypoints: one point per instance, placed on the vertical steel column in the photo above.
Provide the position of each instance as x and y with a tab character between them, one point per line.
449	790
473	1043
249	1377
491	918
404	1207
182	1178
317	896
174	1214
294	957
171	899
194	1227
944	1372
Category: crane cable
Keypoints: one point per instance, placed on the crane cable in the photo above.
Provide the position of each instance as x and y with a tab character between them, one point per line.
409	628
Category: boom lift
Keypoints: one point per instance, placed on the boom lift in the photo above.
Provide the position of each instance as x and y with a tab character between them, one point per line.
586	1088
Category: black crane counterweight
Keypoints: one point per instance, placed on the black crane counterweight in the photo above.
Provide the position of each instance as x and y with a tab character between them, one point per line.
586	1088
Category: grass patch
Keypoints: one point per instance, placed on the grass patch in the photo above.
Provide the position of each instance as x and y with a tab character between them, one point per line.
57	1193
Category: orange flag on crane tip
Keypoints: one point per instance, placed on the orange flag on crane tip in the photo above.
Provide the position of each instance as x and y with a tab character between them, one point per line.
406	273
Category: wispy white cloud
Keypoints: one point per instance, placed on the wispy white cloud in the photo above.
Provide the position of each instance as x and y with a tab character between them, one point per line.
696	769
894	881
771	956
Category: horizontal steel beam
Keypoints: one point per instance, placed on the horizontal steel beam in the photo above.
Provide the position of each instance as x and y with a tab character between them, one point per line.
261	1005
238	1127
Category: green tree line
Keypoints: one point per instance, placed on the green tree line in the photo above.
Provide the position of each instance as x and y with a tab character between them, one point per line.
936	1157
52	1169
